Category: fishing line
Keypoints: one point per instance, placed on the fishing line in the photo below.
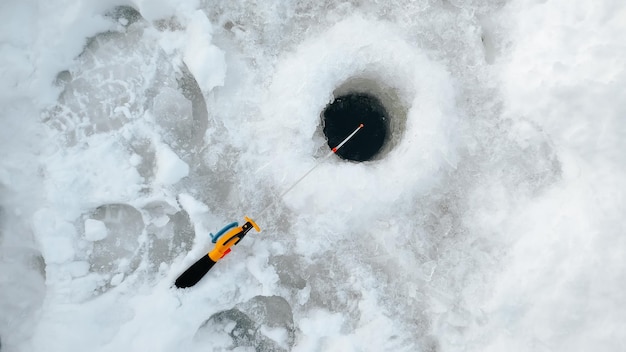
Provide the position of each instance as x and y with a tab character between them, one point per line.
333	151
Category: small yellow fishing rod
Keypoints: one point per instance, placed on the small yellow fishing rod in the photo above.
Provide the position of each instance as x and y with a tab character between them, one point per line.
232	233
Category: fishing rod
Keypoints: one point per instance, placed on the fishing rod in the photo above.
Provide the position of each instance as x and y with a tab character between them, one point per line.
232	233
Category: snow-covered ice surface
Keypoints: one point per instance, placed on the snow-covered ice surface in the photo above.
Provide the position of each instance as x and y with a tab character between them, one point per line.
492	220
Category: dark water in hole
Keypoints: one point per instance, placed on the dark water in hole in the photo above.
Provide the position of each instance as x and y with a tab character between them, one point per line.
345	114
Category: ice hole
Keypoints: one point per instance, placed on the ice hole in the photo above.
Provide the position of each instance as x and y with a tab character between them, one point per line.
342	116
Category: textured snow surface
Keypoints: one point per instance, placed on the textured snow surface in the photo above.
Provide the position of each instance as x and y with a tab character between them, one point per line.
492	220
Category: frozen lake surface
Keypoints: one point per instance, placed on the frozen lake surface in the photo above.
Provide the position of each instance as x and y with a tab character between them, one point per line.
490	219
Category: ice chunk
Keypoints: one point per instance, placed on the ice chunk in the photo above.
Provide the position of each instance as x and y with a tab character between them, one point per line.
170	168
205	61
117	279
95	230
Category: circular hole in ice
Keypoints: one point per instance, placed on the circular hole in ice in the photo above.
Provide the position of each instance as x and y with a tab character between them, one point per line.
342	116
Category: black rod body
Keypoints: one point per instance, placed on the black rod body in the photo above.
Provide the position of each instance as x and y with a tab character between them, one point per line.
195	272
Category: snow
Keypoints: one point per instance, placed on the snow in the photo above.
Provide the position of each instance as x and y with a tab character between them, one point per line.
492	220
56	236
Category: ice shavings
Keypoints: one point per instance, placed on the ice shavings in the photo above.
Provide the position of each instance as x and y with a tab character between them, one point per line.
89	172
299	92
